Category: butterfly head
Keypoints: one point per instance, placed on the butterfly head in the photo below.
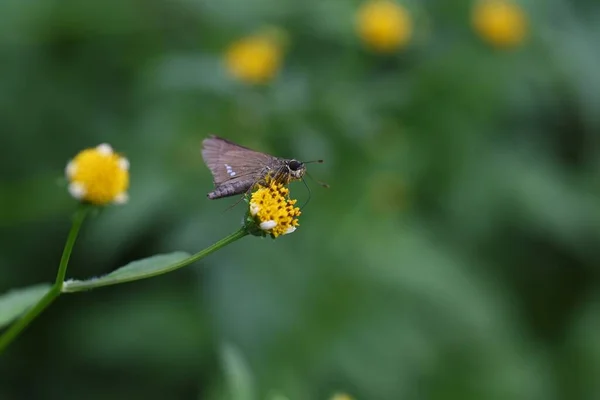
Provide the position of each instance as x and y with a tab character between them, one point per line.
296	169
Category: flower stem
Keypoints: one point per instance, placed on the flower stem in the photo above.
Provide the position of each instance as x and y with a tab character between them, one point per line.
240	233
16	328
117	277
80	215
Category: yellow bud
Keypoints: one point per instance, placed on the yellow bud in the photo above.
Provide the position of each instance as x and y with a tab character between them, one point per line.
256	59
501	23
98	176
384	25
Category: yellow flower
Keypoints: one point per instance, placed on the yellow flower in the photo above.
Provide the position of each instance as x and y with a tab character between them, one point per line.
98	176
256	59
383	25
272	210
501	23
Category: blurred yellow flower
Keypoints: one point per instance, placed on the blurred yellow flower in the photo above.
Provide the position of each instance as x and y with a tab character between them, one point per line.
256	59
502	23
383	25
341	396
98	176
273	211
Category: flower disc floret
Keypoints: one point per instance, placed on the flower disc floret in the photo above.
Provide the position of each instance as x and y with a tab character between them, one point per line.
98	176
273	211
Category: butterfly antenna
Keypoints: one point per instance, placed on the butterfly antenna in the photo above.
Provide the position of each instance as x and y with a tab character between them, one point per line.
323	184
313	161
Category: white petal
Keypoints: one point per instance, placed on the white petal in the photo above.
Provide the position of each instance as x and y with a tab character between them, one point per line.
124	164
289	230
104	149
121	198
77	190
268	225
70	169
254	209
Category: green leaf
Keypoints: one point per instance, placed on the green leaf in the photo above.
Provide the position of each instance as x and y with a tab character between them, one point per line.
15	302
238	375
136	270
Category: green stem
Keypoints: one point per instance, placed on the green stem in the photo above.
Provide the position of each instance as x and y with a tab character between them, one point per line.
16	328
80	215
210	249
116	278
203	253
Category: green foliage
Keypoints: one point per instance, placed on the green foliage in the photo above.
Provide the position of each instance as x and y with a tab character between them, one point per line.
16	301
238	375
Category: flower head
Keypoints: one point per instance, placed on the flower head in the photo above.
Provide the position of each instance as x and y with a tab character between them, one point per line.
257	58
501	23
271	211
98	176
383	25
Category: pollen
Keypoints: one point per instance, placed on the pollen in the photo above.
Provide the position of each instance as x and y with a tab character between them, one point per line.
272	209
98	176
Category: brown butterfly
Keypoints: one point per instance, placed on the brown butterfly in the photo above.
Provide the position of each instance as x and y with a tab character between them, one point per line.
237	169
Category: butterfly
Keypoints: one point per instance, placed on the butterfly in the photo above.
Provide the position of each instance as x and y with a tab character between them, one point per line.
237	169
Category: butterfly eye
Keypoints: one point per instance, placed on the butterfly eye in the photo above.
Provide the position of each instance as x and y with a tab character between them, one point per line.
295	165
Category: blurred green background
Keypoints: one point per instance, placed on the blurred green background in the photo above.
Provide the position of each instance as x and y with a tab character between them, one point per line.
454	257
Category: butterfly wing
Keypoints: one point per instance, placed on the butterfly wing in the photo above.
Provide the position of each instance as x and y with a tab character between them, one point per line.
229	162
